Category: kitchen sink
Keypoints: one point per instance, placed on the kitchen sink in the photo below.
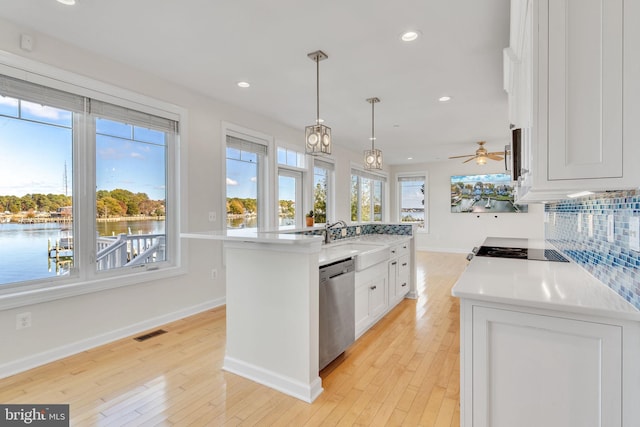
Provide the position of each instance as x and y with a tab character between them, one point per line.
366	254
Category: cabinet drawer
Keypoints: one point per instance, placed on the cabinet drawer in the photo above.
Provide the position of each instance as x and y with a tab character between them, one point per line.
400	249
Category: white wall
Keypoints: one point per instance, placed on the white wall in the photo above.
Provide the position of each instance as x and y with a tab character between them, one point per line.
69	325
460	232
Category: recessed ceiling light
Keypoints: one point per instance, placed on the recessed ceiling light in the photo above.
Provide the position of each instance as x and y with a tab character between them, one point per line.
409	158
244	84
444	98
410	36
67	2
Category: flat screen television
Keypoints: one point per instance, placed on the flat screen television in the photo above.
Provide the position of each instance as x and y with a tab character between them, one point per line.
488	193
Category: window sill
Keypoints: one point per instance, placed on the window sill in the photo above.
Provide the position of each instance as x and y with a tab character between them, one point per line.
21	298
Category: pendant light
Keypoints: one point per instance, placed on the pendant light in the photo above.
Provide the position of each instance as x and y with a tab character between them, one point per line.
317	136
373	157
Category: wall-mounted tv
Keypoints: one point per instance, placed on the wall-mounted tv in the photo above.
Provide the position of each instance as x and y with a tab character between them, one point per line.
489	193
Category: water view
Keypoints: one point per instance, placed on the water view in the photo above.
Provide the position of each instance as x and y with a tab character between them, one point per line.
23	247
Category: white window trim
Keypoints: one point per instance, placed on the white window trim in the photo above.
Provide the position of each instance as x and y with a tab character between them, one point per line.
385	192
298	175
331	189
40	291
267	183
427	205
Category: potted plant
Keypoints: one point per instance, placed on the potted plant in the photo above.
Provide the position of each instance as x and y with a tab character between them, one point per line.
309	217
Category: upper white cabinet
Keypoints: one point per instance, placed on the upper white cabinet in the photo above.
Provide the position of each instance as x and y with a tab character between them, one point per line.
575	92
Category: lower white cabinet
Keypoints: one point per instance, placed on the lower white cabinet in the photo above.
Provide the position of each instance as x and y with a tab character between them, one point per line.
399	276
381	287
530	368
371	296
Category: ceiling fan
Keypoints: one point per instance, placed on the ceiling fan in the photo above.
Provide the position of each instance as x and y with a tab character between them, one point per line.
482	155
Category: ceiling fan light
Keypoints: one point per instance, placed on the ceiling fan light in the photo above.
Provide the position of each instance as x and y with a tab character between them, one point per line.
481	160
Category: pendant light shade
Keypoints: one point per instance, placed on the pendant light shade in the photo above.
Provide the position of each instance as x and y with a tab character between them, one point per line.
317	136
373	157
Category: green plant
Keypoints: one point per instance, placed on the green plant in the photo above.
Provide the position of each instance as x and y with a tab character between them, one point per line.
310	214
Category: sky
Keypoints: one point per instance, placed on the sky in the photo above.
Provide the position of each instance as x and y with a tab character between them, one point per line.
34	152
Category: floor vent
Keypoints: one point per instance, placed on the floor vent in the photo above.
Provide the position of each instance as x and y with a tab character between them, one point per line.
150	335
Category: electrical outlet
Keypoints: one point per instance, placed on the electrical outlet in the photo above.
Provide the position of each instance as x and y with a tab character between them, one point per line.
23	320
212	216
634	233
343	232
610	228
579	223
590	225
214	274
358	230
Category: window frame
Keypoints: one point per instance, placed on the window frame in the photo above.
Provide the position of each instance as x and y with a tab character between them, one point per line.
298	175
266	185
330	167
398	179
83	278
383	179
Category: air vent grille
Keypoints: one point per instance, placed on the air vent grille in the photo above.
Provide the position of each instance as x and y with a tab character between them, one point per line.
150	335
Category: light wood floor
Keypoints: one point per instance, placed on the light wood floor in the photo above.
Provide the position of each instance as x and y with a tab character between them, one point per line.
404	371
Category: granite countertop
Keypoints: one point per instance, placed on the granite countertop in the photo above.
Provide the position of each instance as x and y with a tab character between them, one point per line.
562	286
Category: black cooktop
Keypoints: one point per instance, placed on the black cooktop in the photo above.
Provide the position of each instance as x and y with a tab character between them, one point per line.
521	253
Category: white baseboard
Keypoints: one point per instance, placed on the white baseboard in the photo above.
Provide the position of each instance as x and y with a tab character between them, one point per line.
30	362
299	390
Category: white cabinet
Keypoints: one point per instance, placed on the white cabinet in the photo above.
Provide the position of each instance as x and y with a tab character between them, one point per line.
399	273
528	367
576	94
370	296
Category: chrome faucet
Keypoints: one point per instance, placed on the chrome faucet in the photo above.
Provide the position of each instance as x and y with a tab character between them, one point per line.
328	227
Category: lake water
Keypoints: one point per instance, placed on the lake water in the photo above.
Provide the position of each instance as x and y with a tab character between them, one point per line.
23	247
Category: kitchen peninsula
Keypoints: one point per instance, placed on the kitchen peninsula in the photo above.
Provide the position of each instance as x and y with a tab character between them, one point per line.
272	304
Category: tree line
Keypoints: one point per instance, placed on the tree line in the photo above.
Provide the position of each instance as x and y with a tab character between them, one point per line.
112	203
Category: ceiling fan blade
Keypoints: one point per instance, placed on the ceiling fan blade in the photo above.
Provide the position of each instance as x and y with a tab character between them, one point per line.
469	159
459	157
494	157
498	153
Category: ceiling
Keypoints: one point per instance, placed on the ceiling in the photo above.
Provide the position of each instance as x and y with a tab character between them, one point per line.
208	46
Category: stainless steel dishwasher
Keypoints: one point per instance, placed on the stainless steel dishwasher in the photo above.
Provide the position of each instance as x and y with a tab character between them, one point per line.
337	309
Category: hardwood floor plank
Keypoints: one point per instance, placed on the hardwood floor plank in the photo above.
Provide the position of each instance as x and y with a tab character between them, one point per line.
404	371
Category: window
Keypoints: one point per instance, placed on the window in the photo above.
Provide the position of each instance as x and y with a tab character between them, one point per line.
289	198
131	182
322	190
411	199
91	185
367	196
289	157
244	186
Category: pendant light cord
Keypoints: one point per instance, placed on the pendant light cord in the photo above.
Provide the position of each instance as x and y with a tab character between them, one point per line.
317	89
373	135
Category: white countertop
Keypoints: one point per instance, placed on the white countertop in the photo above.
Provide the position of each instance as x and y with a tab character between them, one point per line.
245	235
542	284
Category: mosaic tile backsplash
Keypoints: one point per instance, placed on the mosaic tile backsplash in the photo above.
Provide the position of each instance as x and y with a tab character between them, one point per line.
336	232
614	263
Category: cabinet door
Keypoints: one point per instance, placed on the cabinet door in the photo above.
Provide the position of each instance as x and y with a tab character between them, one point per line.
362	319
531	370
584	87
404	270
393	279
377	297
